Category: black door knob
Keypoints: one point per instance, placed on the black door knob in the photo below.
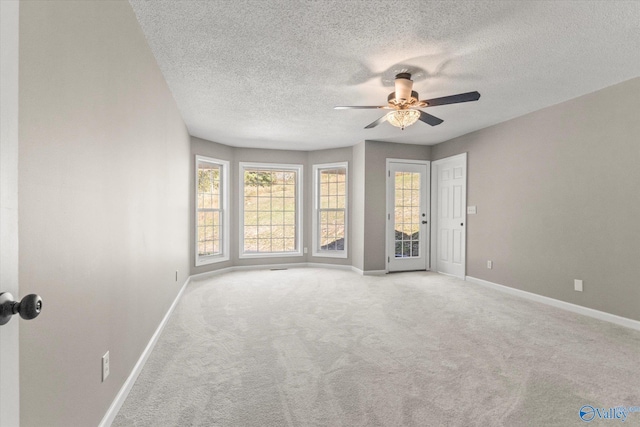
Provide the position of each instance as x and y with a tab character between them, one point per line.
28	308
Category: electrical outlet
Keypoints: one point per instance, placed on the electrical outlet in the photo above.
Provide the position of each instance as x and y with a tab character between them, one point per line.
577	285
489	264
305	250
105	366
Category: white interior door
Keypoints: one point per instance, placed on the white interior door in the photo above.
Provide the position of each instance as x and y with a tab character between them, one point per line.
9	376
407	215
450	206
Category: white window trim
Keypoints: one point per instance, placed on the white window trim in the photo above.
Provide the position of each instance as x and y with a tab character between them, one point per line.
224	200
299	225
316	251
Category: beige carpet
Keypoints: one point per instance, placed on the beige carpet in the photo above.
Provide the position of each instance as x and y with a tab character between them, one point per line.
320	347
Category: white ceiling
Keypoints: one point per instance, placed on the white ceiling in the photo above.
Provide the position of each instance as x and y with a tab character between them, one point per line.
268	73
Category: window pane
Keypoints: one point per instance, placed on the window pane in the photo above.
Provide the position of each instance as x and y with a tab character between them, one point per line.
277	245
289	218
277	204
277	217
264	218
264	203
209	208
289	245
332	200
407	214
271	195
289	190
250	232
250	245
250	218
289	231
332	230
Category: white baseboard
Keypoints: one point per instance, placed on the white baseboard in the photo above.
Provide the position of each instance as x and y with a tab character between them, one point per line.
212	273
596	314
368	272
113	410
357	270
332	266
374	272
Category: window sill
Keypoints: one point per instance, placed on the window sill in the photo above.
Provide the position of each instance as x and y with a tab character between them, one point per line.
341	254
213	259
270	255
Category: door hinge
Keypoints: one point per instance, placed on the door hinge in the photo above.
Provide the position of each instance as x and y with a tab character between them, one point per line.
388	216
388	259
389	174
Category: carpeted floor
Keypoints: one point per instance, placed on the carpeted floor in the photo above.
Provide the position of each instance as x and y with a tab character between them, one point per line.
321	347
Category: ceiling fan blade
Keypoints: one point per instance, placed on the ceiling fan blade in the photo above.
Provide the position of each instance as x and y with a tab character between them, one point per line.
429	119
361	107
452	99
377	122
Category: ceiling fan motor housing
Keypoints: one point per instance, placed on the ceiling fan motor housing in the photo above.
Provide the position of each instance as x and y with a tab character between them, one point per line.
403	84
393	100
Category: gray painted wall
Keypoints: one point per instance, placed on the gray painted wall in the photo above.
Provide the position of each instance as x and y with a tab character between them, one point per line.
103	197
375	203
357	200
557	197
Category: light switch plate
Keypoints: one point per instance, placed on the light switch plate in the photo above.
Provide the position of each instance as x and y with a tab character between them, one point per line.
472	210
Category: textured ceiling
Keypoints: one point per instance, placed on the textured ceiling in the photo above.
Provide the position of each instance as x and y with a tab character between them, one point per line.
268	73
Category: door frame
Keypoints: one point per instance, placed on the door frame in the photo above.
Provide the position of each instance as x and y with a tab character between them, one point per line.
9	96
434	208
387	196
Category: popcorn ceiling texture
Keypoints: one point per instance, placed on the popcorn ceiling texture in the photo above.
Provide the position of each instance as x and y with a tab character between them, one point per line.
268	73
319	347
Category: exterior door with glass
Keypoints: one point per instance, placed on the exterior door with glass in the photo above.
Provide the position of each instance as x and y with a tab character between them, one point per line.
407	215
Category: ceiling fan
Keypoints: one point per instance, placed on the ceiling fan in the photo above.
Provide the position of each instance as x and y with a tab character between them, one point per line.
405	105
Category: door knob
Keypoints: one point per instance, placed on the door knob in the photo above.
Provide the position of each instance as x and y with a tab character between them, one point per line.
28	308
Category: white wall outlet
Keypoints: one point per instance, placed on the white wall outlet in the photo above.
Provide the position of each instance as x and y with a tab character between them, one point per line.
105	366
489	264
577	285
305	250
472	210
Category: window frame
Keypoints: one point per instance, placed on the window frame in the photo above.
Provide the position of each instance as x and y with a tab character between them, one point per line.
316	240
224	211
299	169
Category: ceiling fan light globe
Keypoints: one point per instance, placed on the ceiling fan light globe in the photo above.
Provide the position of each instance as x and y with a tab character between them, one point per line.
403	118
